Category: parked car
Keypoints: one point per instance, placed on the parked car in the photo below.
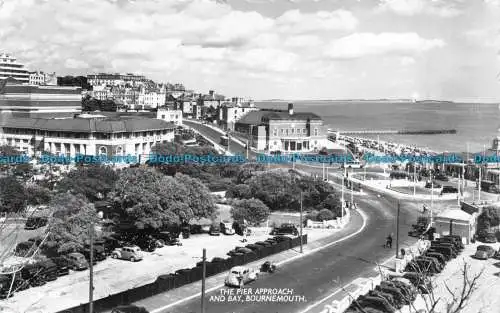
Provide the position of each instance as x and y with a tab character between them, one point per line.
214	230
484	252
239	276
77	261
226	228
432	184
438	256
263	243
35	222
376	303
129	309
62	265
98	255
449	189
423	285
33	274
436	264
456	239
146	243
487	237
441	177
285	229
6	284
131	253
49	270
167	238
254	247
398	297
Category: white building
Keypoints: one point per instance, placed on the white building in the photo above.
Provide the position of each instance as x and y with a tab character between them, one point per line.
230	113
86	135
172	116
9	67
115	79
151	99
41	78
101	92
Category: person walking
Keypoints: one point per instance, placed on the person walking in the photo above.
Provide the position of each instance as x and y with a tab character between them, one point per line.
389	241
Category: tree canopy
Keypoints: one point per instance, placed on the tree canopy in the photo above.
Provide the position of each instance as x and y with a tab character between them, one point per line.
12	195
149	199
90	181
252	210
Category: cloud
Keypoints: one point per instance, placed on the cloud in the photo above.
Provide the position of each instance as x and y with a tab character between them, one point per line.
294	21
363	44
75	64
441	8
405	61
485	37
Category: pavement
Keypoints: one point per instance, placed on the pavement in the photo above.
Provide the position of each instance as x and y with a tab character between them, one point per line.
312	277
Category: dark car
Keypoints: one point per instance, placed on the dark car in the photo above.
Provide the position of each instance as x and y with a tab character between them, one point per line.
129	309
457	239
110	243
487	237
286	229
49	270
433	184
254	247
98	255
263	243
441	177
449	189
377	303
423	285
214	230
33	274
35	222
77	261
441	258
399	299
437	265
146	243
62	265
444	251
484	252
19	284
168	238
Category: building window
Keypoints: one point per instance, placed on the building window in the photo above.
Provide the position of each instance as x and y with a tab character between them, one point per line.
282	131
298	131
293	130
163	116
275	132
315	132
304	130
103	150
287	131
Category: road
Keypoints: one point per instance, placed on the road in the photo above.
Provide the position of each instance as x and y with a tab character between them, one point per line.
319	274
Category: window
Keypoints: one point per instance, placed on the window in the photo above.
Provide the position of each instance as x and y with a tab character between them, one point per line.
163	116
103	150
282	131
315	132
275	132
287	131
304	131
293	130
298	131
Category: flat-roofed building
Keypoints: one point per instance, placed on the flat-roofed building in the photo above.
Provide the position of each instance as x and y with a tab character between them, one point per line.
21	100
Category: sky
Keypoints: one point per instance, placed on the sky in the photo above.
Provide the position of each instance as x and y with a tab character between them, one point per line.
269	49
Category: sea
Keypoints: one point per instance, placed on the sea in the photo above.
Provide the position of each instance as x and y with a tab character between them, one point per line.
476	124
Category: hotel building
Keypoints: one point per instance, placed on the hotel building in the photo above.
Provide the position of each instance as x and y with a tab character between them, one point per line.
41	78
231	112
9	67
87	135
21	100
284	131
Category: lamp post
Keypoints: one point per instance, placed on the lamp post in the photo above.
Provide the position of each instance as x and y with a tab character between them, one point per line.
91	268
301	222
204	269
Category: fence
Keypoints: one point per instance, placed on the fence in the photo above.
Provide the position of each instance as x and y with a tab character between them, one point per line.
183	277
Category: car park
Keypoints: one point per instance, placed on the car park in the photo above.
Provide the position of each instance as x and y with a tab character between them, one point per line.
226	228
239	276
77	261
484	252
131	253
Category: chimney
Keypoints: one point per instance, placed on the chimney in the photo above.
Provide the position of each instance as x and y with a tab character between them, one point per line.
290	108
211	93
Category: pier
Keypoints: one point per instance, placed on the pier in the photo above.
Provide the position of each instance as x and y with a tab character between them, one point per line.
395	132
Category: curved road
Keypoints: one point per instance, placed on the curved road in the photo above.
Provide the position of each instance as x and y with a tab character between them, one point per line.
317	275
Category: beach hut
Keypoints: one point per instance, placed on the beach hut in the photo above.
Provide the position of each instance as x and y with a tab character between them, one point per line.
454	221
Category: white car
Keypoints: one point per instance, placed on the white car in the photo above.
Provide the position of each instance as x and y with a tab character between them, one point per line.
226	228
239	276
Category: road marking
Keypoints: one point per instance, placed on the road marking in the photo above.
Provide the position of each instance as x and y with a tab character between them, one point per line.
363	226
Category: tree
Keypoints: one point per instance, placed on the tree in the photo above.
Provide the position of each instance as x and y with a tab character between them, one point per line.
240	191
37	195
90	104
333	204
72	218
148	199
12	196
325	215
490	217
94	182
108	106
253	210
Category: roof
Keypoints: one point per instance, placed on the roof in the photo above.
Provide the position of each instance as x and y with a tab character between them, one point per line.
89	125
455	214
238	268
258	117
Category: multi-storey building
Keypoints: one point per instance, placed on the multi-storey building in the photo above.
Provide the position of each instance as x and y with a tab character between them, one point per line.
87	135
128	96
172	116
230	113
211	100
17	99
151	99
41	78
9	67
116	79
101	93
285	131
